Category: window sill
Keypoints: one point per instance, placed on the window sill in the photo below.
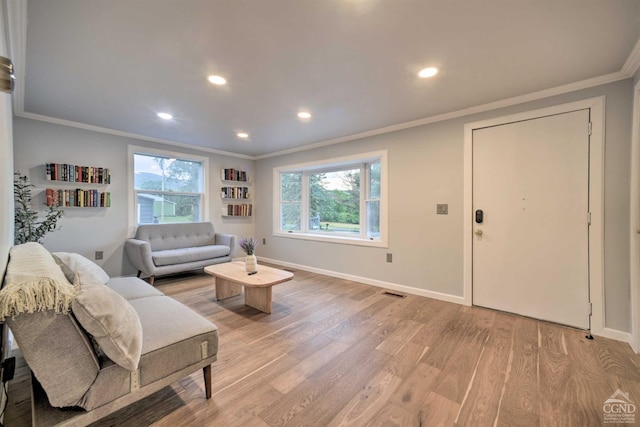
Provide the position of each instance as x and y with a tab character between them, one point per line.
343	240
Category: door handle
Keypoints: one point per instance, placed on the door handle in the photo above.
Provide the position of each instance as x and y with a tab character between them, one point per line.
478	232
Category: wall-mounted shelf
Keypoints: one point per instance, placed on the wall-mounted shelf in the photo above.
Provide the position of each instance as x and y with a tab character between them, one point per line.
78	198
235	193
243	209
67	174
230	195
234	175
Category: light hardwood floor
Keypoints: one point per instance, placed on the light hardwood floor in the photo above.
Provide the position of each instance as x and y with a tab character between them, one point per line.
338	353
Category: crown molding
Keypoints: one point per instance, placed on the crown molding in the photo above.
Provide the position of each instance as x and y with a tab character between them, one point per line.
546	93
138	137
632	63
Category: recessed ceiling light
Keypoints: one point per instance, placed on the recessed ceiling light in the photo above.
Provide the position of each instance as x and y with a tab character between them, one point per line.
428	72
304	115
242	135
165	116
217	80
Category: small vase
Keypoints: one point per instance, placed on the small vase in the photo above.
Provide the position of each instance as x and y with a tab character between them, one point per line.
251	263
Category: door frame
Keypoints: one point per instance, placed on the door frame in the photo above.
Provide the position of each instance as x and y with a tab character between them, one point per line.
596	198
634	229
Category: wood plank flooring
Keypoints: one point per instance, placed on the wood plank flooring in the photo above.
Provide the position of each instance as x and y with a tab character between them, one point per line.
340	353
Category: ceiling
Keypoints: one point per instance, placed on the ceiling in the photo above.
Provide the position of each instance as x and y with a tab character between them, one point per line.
352	64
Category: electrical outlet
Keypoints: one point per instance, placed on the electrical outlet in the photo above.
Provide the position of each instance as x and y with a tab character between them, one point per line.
389	258
8	369
99	255
442	209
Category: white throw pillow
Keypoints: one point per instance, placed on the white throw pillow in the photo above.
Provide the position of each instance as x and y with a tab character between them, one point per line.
77	264
111	320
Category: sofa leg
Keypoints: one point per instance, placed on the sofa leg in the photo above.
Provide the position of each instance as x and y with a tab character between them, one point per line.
152	279
139	273
207	380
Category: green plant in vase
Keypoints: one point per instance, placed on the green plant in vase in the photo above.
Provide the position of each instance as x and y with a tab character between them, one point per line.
248	245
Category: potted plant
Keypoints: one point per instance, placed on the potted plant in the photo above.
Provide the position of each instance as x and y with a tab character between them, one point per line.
28	227
248	245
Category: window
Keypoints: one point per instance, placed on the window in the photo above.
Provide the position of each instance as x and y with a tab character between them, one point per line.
341	200
168	188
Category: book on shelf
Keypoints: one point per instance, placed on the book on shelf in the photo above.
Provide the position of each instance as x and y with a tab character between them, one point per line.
233	175
235	193
244	209
73	173
78	198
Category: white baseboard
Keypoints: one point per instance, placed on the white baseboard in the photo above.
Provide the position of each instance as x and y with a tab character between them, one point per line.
368	281
614	334
605	332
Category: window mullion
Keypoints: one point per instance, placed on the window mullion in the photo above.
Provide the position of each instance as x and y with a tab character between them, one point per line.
363	200
304	201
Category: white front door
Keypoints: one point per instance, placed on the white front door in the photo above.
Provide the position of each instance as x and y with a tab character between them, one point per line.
531	248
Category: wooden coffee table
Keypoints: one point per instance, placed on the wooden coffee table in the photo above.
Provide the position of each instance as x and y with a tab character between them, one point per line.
231	277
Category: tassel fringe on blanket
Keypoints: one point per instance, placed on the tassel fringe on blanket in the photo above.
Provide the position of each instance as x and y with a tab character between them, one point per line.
37	295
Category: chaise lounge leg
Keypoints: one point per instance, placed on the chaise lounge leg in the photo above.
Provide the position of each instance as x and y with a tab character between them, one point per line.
139	273
152	279
207	380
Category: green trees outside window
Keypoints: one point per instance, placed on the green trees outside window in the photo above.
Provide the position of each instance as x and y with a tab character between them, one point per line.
336	199
168	189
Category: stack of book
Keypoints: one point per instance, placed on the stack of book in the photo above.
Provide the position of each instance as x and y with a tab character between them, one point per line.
233	175
73	173
238	210
235	193
78	198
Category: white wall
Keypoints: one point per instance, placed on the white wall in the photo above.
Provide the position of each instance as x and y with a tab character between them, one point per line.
426	168
88	230
6	187
6	163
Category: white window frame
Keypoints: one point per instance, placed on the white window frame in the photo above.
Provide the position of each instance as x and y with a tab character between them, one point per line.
341	163
133	193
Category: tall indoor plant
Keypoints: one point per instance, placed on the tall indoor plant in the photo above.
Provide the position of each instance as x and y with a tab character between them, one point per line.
28	226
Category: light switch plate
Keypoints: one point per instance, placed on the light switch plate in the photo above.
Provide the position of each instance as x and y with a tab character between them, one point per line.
442	209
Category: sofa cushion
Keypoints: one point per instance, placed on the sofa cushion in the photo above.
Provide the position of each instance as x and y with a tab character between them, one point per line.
72	264
58	353
133	288
165	322
175	236
184	255
111	320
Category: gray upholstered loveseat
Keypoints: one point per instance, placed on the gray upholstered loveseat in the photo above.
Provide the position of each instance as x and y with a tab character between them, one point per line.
98	344
160	249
